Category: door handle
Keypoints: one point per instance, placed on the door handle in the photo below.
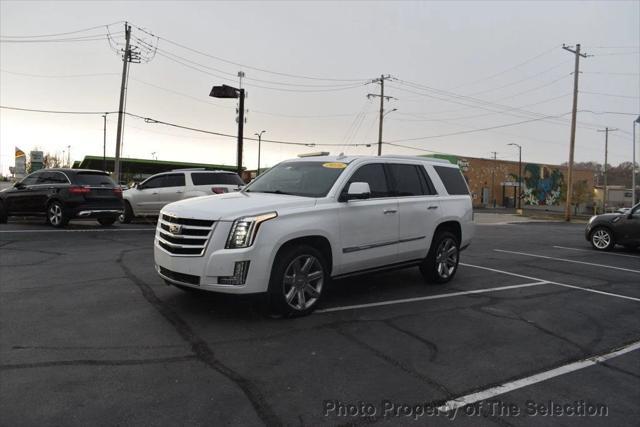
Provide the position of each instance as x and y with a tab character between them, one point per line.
153	193
432	207
179	191
390	211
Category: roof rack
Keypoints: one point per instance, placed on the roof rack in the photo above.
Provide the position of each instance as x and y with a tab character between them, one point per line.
316	154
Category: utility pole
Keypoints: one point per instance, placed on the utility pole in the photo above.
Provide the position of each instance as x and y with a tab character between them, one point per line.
382	99
104	142
574	110
126	58
493	179
69	155
605	200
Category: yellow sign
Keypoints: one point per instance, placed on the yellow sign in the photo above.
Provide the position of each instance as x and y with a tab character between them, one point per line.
335	165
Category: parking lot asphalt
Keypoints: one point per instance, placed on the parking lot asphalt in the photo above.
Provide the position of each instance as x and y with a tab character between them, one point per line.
537	328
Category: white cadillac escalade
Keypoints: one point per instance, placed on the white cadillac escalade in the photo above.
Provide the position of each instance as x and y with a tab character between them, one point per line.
308	220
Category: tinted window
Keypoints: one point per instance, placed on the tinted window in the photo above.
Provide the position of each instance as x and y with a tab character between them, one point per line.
96	179
155	182
174	180
375	176
426	181
58	178
453	180
300	178
52	178
216	178
407	180
31	179
45	178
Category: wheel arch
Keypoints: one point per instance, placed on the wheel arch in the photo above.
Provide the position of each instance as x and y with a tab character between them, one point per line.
319	242
450	226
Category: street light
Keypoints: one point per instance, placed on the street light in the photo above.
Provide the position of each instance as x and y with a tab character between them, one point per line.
633	165
519	173
226	91
259	135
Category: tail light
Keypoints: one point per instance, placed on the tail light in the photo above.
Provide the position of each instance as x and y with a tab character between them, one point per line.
77	189
118	192
219	190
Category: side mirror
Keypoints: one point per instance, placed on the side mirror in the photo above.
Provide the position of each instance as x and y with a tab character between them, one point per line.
358	191
19	185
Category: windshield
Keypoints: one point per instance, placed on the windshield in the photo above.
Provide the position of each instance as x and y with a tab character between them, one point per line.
308	179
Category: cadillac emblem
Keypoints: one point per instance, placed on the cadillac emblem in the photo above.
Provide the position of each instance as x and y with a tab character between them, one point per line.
175	228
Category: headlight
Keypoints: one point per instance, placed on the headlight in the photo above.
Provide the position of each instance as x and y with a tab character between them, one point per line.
243	231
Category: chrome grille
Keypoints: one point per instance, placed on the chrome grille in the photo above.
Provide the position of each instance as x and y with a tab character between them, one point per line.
183	236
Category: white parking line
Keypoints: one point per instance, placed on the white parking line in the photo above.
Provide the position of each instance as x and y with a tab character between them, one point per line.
430	297
533	379
598	252
568	260
78	231
595	291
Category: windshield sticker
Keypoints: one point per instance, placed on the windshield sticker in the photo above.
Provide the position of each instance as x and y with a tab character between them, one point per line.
334	165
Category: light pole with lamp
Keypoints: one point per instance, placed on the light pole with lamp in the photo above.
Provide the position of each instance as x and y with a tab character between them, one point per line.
519	173
259	135
633	165
380	139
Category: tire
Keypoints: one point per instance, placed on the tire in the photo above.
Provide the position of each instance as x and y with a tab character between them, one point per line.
56	215
107	222
126	216
298	277
602	239
3	214
441	263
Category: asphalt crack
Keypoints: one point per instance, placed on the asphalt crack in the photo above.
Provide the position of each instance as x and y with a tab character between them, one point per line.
96	362
201	349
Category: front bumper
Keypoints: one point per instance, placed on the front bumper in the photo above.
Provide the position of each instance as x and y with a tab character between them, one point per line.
206	271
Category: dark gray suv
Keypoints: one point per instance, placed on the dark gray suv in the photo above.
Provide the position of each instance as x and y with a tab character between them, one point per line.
63	194
605	231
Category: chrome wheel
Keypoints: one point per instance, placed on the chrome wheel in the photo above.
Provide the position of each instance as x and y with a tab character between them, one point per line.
302	282
446	258
55	214
601	239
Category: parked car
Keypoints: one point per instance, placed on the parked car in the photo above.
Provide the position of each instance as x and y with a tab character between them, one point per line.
151	195
311	219
62	195
605	231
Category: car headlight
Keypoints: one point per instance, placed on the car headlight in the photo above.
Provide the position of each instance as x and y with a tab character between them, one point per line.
243	231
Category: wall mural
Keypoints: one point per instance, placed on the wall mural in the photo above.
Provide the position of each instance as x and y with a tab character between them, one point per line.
542	185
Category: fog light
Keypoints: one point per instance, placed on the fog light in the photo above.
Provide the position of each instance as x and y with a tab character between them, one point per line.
240	271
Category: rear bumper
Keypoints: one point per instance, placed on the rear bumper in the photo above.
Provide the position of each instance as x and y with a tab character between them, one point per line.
98	213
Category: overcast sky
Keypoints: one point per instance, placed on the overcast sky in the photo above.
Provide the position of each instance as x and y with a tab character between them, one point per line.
461	66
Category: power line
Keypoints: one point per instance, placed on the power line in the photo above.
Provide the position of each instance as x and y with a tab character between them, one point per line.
521	80
479	129
611	73
32	110
64	40
610	94
58	76
61	34
509	69
237	64
259	86
172	56
423	119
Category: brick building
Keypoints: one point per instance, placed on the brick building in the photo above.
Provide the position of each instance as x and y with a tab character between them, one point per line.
495	183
